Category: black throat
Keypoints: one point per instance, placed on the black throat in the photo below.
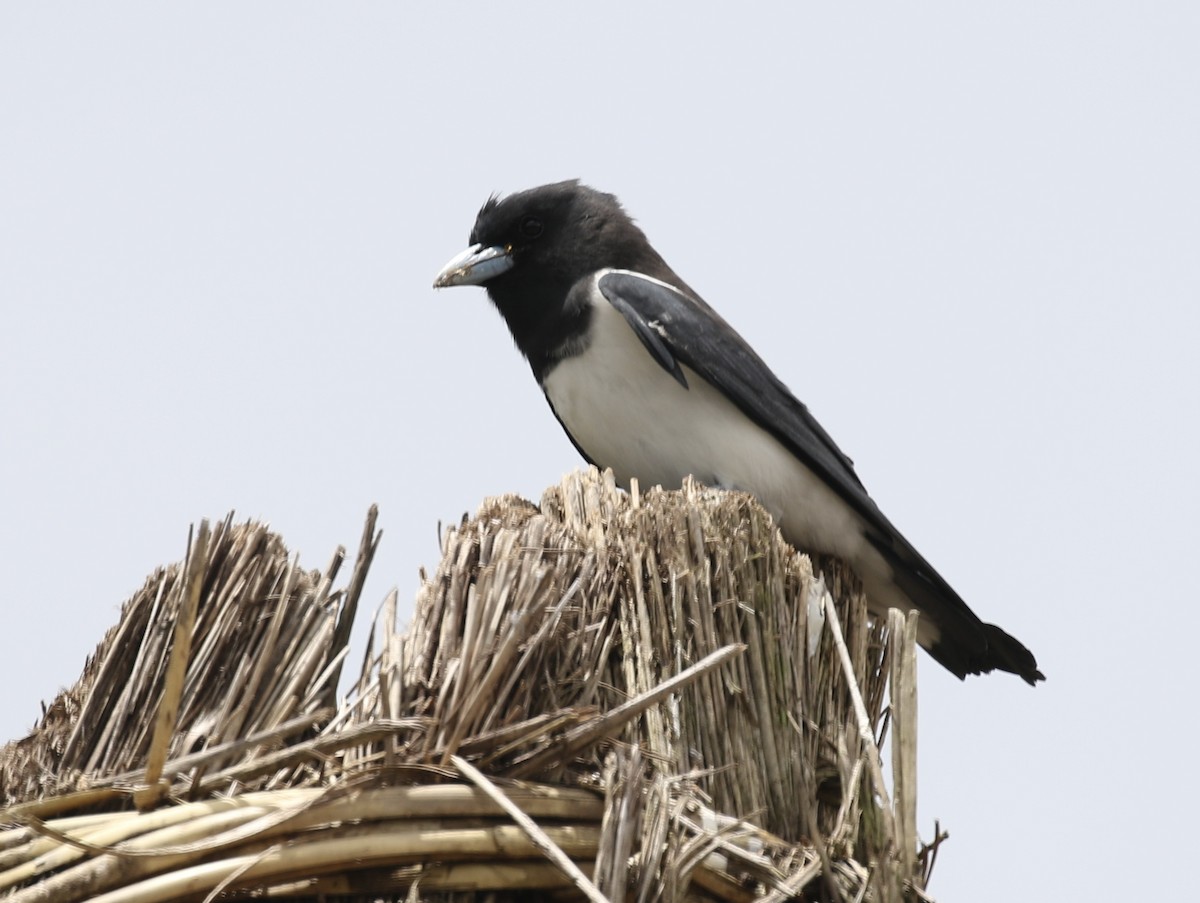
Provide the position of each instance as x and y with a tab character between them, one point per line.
548	319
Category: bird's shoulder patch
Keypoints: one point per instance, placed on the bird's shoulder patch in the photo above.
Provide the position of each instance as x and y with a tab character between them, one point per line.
623	291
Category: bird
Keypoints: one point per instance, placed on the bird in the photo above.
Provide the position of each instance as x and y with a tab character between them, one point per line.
649	380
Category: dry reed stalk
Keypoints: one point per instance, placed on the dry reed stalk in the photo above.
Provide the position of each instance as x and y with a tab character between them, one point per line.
904	736
168	705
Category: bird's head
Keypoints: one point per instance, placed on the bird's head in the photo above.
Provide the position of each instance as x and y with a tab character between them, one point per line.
528	249
536	253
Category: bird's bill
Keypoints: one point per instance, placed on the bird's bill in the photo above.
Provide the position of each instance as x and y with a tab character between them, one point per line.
474	266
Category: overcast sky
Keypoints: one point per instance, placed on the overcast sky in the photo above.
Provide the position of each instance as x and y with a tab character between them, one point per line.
967	237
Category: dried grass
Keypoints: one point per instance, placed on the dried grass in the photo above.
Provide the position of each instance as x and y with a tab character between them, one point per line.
607	696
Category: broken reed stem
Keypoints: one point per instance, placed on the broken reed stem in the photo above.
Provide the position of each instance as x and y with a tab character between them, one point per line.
605	725
181	649
903	693
367	545
870	750
540	838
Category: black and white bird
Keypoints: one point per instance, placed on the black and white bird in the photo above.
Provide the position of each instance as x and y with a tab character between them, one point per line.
649	380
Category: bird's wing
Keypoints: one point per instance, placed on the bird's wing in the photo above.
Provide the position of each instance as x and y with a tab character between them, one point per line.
676	329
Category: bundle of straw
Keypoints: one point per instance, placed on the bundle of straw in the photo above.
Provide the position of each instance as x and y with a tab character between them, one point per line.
609	696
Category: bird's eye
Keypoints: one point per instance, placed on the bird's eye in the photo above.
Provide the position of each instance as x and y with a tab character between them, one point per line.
531	227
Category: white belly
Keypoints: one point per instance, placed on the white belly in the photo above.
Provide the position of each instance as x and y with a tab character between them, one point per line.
629	414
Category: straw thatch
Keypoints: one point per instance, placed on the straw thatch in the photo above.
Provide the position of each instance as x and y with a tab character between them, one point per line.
606	696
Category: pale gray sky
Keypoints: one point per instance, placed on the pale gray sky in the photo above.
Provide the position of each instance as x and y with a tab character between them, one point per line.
967	237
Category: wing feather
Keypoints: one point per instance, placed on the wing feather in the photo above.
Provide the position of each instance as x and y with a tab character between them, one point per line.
675	328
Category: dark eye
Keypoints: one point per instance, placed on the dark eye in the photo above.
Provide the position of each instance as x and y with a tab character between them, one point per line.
531	227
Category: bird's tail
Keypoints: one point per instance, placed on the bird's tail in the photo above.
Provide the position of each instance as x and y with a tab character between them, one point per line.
957	638
997	651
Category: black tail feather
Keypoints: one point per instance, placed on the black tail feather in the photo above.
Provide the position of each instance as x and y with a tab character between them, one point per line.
965	644
997	651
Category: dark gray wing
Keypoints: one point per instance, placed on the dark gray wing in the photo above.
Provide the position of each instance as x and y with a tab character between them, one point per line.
676	329
647	333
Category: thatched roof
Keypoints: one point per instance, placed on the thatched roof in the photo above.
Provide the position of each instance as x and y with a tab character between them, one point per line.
646	696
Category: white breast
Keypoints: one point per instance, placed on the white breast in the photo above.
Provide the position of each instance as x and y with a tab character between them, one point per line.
629	414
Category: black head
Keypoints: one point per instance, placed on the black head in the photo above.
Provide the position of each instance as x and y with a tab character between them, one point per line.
531	248
558	234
